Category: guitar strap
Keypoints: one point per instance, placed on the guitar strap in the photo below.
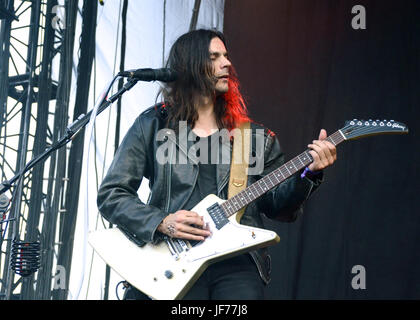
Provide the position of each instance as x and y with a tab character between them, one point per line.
240	160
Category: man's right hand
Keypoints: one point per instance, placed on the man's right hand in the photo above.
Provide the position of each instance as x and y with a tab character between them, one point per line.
184	224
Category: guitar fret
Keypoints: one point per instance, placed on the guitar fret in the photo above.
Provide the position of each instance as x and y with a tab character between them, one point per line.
308	155
335	138
285	172
241	196
238	201
342	137
245	195
287	169
301	160
259	189
231	206
236	205
270	183
294	165
282	174
266	186
227	206
269	179
301	163
251	193
275	177
259	185
254	187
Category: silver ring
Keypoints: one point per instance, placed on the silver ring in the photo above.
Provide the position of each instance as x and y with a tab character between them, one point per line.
171	229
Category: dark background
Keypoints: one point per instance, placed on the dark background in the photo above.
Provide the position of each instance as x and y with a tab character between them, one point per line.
302	68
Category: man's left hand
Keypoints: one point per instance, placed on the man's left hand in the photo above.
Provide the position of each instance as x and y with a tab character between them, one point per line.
323	152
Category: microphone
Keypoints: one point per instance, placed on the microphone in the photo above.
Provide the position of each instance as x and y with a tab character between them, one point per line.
164	74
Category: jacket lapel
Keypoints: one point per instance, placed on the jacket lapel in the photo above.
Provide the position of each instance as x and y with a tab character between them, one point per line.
223	168
225	152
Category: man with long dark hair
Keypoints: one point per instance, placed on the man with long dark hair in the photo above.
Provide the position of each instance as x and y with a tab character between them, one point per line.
204	100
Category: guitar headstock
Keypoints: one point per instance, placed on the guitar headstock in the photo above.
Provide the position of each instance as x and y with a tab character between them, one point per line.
356	129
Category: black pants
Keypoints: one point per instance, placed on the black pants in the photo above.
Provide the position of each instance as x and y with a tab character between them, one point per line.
232	279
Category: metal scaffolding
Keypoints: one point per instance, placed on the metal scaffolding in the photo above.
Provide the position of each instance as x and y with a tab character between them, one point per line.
37	61
35	81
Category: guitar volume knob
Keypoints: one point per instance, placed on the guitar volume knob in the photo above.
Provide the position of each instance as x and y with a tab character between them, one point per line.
169	274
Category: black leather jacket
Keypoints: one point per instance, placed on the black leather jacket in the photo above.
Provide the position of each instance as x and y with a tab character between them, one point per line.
172	184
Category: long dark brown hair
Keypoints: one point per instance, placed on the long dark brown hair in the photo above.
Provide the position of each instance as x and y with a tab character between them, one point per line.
190	58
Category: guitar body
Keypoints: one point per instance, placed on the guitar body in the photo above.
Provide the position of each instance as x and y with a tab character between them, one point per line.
167	270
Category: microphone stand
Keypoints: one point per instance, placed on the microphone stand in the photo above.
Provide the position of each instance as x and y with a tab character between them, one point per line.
72	130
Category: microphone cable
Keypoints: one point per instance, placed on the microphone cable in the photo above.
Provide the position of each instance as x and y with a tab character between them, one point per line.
25	258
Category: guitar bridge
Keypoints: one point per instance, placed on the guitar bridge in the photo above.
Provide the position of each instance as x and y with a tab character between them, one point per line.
218	215
176	246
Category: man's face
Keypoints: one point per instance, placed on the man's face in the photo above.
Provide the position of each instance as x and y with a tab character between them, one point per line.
221	65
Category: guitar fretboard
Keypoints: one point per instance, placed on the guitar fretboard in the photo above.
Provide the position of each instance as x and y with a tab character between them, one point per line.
268	182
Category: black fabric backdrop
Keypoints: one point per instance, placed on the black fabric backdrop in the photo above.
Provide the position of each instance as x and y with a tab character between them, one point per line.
303	67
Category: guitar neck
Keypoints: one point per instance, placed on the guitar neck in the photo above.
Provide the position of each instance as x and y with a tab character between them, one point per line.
268	182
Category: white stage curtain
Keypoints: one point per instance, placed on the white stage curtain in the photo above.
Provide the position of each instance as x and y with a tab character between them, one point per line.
152	27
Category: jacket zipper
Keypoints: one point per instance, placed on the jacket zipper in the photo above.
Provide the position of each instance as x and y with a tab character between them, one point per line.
223	184
169	176
168	180
189	195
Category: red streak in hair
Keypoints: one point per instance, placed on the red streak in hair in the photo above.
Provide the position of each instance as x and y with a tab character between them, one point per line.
236	111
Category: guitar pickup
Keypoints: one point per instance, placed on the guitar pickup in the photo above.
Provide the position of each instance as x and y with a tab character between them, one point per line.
218	215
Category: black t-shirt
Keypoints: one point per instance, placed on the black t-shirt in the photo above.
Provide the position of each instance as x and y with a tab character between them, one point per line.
206	180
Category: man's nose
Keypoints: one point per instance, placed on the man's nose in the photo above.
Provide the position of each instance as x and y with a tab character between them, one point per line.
226	62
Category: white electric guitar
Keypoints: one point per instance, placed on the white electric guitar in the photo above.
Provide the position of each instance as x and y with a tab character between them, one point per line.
167	270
